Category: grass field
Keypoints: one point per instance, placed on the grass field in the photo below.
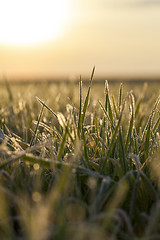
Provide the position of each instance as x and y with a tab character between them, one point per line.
80	161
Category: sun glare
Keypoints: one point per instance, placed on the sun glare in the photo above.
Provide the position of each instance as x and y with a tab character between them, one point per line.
27	22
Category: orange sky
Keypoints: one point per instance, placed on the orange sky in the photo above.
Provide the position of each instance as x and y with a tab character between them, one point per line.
119	37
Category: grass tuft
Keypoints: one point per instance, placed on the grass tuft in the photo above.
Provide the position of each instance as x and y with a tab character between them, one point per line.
83	170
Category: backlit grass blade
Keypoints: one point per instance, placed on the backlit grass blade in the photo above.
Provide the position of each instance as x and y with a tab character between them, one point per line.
150	117
105	112
69	134
108	104
36	129
122	152
138	107
92	75
156	125
80	107
135	141
115	133
130	130
85	147
64	124
96	124
61	147
147	139
50	110
115	107
120	97
87	97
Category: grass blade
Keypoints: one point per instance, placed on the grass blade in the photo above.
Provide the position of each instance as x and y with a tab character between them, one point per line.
155	127
105	112
87	97
85	147
115	107
115	133
80	107
131	124
108	104
50	110
112	142
120	97
36	129
146	144
61	148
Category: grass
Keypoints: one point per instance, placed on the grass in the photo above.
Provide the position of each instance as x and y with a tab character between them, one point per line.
87	170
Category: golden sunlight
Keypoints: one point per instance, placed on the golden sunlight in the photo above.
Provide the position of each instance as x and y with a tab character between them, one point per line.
30	22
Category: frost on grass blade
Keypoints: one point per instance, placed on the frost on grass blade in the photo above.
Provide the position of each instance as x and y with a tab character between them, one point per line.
2	137
61	120
45	105
86	102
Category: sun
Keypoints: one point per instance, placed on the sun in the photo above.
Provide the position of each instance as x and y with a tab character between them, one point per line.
27	22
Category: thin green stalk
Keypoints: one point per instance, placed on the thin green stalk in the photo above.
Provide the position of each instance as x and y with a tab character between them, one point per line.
131	124
45	105
80	108
36	129
108	107
61	148
87	97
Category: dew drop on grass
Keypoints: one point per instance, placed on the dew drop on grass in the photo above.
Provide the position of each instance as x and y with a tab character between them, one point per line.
36	196
36	166
92	182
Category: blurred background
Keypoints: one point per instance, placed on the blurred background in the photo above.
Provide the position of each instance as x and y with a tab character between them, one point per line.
61	39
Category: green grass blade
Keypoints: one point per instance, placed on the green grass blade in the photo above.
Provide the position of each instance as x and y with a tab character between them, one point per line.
85	147
36	129
138	107
115	133
115	107
155	127
50	110
113	142
108	104
120	97
87	97
80	107
146	144
92	74
105	112
61	148
135	141
150	118
122	152
96	124
149	186
131	124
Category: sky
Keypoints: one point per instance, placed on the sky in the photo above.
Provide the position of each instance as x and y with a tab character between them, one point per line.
119	37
